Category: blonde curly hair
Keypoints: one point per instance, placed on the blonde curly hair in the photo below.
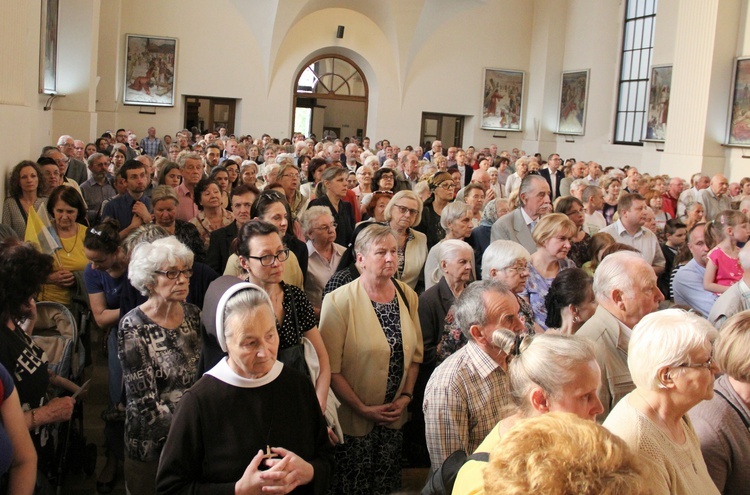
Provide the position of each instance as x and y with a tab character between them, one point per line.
560	454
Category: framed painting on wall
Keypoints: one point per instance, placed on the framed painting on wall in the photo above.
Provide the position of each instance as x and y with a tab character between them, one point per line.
660	89
149	71
574	89
48	47
739	112
502	100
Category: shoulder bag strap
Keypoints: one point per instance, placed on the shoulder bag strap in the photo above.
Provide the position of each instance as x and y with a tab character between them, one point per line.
401	293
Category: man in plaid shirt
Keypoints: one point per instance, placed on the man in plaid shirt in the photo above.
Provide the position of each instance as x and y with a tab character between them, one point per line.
152	145
469	393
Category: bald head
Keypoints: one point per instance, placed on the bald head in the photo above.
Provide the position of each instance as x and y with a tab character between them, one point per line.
719	184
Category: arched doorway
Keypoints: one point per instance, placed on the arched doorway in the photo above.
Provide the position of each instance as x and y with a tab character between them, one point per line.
330	98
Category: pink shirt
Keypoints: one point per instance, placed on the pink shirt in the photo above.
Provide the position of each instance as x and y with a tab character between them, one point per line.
728	269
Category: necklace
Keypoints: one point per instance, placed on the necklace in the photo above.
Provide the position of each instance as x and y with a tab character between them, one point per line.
62	244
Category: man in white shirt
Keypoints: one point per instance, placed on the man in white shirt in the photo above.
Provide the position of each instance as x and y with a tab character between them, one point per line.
629	230
593	201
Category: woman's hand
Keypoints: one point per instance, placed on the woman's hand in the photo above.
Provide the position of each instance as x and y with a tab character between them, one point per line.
332	437
283	475
61	278
298	471
381	415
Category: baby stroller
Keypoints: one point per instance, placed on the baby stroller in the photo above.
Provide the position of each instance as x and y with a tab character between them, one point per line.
56	333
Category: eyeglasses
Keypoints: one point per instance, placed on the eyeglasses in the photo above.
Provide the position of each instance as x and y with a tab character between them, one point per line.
517	269
173	274
383	193
708	364
289	175
269	259
386	177
447	187
404	210
326	228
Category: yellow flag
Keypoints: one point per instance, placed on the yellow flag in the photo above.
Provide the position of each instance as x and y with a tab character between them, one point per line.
40	233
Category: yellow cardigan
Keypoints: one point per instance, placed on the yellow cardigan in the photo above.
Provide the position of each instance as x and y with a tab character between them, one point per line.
357	348
415	256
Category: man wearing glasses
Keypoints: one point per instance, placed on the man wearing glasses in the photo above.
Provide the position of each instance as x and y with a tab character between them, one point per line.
76	168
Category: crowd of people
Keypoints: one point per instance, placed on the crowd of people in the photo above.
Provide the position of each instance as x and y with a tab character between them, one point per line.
302	316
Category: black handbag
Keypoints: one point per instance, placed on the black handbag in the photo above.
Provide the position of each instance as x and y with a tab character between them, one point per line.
294	356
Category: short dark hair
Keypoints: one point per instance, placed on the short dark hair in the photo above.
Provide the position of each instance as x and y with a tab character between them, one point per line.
201	186
23	270
314	165
168	167
128	166
265	200
626	201
673	225
71	197
243	189
253	228
15	178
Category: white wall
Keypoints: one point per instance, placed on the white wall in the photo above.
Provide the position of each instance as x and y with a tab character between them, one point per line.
417	56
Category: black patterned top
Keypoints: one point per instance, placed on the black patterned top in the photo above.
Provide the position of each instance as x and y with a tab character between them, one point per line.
289	333
159	364
389	317
580	251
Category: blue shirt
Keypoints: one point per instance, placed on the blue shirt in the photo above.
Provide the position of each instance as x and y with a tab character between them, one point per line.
98	281
121	208
687	288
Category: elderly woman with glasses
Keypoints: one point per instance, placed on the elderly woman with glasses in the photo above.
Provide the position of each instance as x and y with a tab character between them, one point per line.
403	212
670	361
722	422
364	182
159	346
384	180
442	187
324	255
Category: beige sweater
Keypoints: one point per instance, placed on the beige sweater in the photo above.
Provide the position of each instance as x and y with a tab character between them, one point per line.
675	469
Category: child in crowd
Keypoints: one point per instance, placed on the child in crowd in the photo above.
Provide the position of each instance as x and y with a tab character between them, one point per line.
676	235
723	265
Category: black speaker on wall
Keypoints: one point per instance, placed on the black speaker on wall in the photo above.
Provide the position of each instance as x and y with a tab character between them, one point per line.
340	32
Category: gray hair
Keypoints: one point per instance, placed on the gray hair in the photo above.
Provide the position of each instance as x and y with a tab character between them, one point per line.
183	157
397	197
163	192
448	250
372	159
147	258
470	309
666	339
452	212
367	237
527	183
501	254
148	232
311	215
94	157
550	362
616	272
579	183
247	164
61	140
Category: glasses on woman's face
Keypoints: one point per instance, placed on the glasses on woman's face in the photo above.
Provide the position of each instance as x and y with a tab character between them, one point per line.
387	177
404	210
326	228
518	268
174	274
709	365
447	186
270	259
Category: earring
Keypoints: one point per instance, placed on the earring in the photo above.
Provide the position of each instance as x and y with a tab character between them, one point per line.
576	319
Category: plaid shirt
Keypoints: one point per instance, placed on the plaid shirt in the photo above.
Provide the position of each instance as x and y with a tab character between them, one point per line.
152	147
465	398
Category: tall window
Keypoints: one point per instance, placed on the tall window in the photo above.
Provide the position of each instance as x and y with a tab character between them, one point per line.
637	45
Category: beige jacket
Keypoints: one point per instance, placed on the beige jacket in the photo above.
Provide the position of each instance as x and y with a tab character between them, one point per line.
357	348
610	338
